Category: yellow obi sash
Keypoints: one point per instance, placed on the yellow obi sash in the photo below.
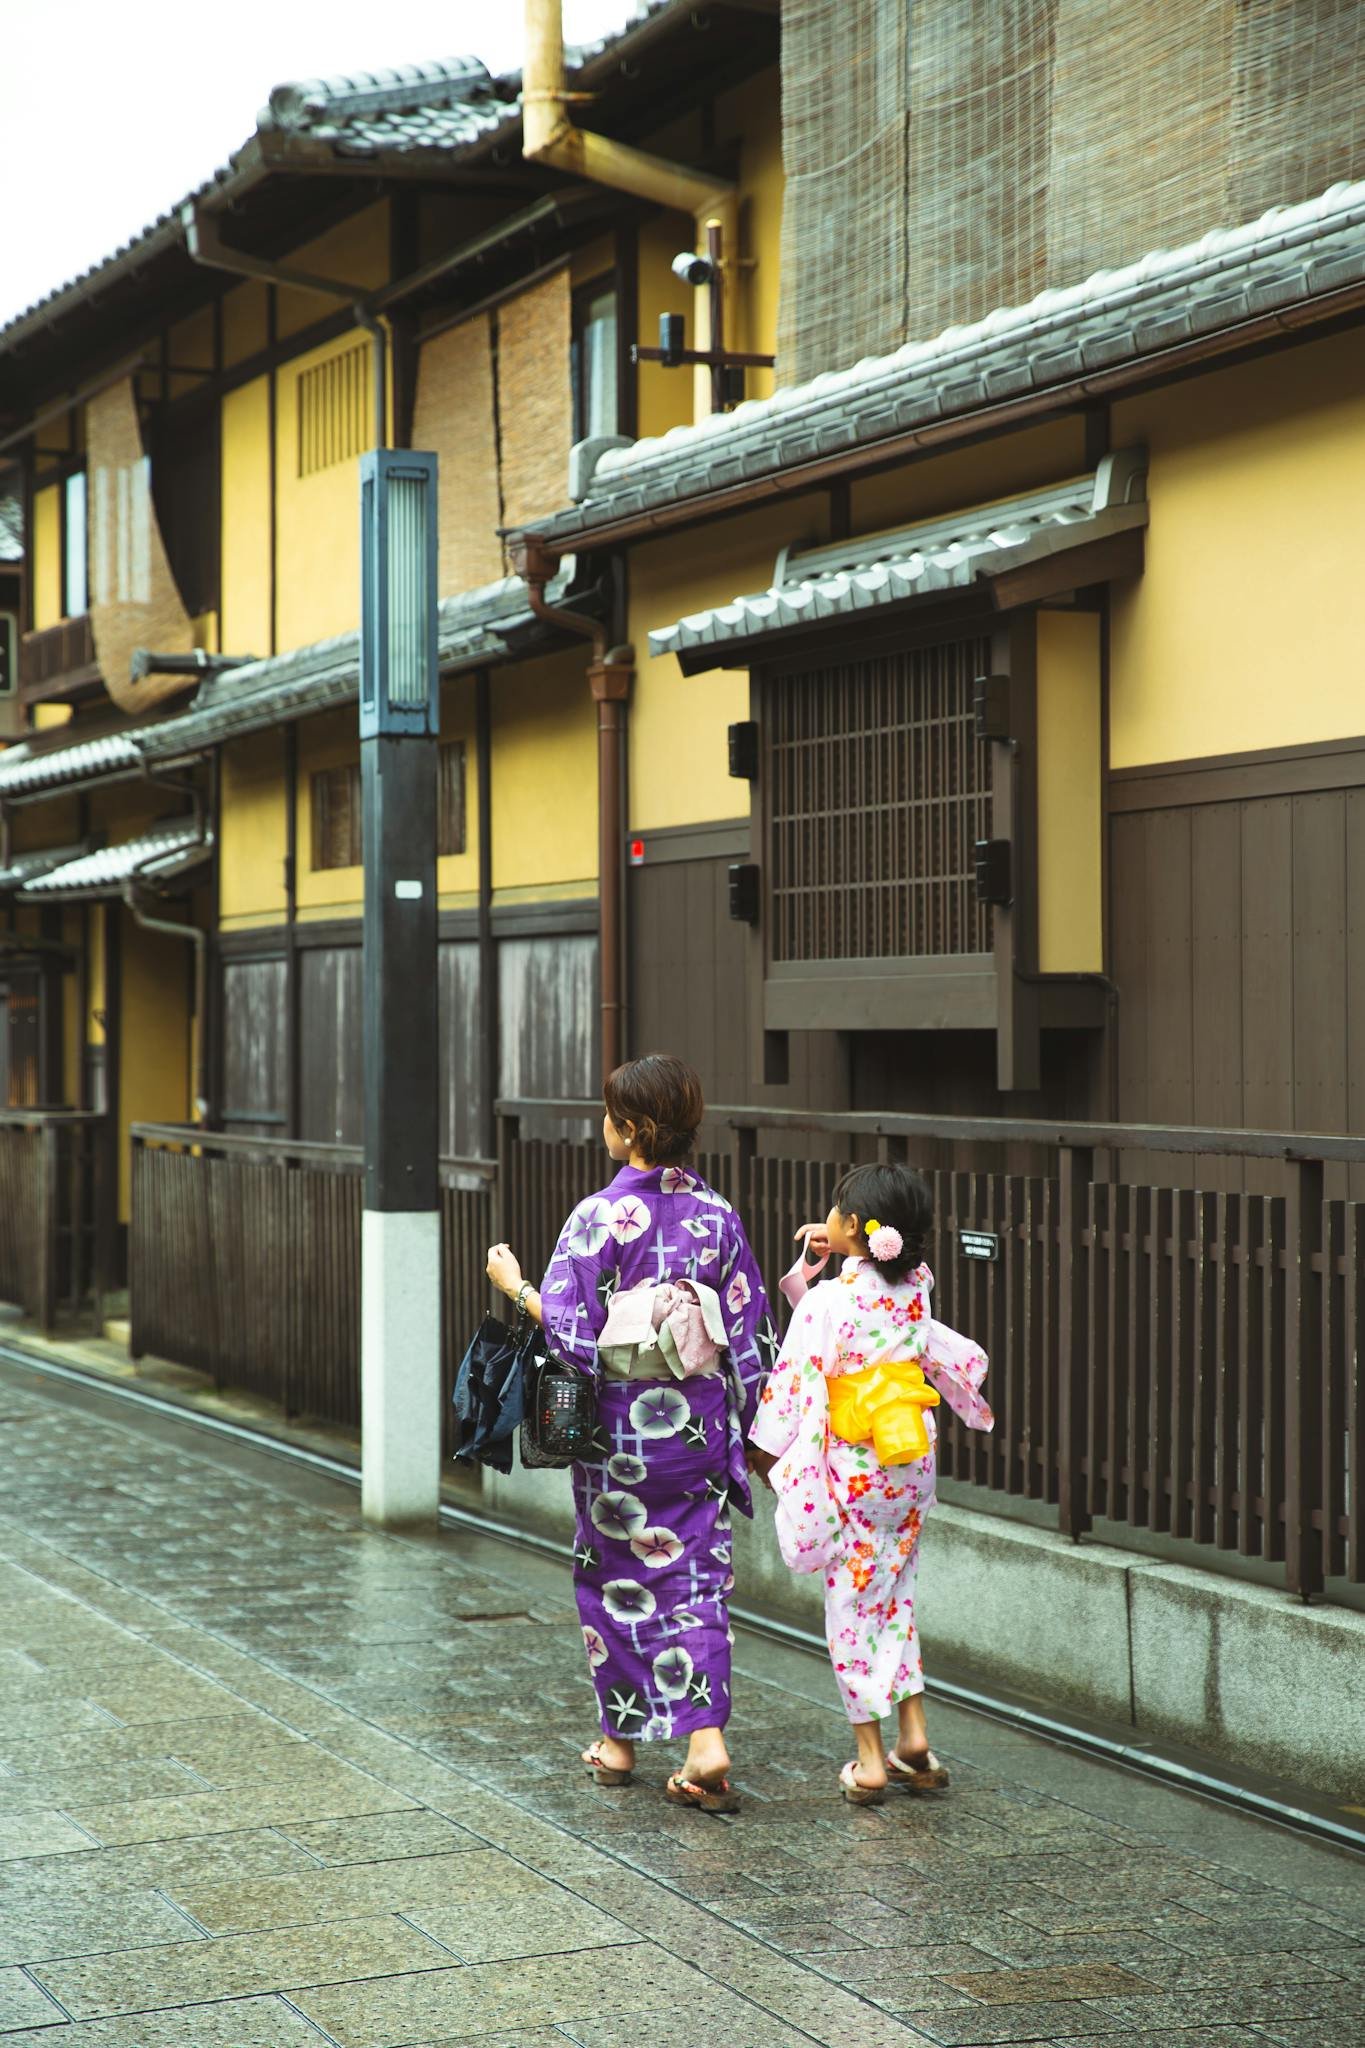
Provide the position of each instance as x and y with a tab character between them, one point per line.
883	1405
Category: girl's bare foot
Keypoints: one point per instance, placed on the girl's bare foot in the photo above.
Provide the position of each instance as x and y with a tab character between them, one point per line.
913	1737
870	1769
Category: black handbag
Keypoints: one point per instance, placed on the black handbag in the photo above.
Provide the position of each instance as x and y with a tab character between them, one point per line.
559	1408
488	1394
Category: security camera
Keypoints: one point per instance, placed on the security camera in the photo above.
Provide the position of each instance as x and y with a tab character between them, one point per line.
693	269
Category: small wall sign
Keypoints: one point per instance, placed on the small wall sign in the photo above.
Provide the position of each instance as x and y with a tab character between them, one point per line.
978	1244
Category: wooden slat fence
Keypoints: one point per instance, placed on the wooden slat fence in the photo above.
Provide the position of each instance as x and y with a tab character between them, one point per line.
1162	1358
245	1264
54	1229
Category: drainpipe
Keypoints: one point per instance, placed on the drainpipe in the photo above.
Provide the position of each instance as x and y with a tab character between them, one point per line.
610	674
207	247
550	137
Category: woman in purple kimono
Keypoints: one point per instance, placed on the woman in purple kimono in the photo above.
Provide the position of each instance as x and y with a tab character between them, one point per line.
653	1288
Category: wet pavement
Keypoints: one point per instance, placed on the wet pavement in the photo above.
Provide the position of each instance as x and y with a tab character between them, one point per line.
270	1778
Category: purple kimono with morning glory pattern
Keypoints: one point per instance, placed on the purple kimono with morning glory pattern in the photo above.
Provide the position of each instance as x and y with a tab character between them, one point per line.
652	1556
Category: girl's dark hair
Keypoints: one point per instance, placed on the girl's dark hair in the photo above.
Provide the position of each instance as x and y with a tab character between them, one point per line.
894	1195
662	1097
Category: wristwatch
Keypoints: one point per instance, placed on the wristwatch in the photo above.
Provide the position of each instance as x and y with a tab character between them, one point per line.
522	1292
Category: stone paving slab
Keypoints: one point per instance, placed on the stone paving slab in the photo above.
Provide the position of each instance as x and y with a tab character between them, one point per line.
395	1845
238	2023
194	1972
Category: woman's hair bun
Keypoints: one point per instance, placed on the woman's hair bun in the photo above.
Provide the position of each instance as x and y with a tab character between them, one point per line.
660	1097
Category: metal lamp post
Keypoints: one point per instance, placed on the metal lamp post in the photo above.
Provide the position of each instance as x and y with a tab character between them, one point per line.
400	1265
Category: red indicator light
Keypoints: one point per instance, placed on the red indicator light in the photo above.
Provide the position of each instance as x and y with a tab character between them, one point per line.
637	853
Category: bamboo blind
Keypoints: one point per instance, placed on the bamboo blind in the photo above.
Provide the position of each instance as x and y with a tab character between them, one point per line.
453	414
943	158
134	601
535	399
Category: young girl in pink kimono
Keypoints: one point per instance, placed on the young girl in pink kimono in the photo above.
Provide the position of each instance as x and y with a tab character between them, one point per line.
846	1432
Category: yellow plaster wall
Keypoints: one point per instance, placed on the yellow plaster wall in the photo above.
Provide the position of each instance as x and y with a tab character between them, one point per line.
752	113
663	397
245	542
332	742
544	776
252	847
962	477
155	1064
1070	918
317	523
1241	633
47	558
356	251
678	755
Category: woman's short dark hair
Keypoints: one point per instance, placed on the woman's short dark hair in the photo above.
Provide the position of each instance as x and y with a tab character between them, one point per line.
661	1096
895	1195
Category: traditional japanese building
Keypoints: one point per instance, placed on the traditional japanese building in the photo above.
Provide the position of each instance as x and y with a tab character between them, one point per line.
955	717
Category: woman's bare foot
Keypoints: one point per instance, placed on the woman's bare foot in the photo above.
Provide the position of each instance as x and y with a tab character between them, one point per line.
708	1760
611	1753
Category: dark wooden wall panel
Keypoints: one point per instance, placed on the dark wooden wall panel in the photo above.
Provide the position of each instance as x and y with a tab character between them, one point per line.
255	1059
1238	932
691	973
461	1092
332	1108
548	997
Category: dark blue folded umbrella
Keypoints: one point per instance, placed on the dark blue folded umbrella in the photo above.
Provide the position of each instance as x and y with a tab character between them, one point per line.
488	1394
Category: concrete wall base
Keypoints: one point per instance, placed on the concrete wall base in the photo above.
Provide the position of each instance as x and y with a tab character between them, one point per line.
1242	1672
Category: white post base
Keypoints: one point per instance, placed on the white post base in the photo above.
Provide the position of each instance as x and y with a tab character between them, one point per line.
400	1366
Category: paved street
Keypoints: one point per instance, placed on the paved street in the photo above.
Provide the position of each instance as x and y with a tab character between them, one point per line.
270	1779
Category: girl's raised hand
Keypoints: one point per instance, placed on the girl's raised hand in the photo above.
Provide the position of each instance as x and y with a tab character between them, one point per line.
816	1240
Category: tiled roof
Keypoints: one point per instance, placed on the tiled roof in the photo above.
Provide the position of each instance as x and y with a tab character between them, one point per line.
417	106
25	771
156	856
478	627
1275	264
26	867
876	570
454	103
11	530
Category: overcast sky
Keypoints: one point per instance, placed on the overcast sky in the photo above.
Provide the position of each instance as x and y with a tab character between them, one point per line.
110	114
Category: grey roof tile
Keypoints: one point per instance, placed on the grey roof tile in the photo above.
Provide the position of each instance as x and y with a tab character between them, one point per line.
26	867
453	103
26	771
156	855
1287	257
871	571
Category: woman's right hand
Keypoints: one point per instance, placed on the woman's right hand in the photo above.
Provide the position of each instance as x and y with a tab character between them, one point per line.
504	1269
816	1240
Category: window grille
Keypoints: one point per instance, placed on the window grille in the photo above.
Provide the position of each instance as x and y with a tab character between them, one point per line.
336	818
337	841
450	811
878	790
336	409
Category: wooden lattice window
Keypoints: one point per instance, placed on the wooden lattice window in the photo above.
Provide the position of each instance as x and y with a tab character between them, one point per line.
337	840
336	817
450	808
336	409
878	790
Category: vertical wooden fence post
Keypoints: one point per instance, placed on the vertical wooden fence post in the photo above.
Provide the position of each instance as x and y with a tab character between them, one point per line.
1303	1380
743	1152
51	1180
1075	1171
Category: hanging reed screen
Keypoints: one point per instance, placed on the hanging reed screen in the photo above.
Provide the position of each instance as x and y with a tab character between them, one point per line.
877	791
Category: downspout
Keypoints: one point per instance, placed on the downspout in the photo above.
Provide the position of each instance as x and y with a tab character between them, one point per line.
549	136
610	674
205	246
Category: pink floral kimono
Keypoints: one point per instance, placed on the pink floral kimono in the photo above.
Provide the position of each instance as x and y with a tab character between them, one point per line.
840	1511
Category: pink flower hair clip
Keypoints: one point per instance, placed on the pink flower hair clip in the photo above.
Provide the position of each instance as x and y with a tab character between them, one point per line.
884	1242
